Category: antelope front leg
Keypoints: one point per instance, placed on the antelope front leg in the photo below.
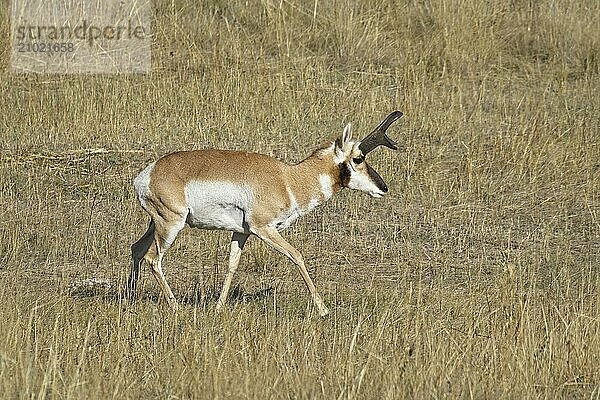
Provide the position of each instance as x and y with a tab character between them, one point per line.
237	244
273	238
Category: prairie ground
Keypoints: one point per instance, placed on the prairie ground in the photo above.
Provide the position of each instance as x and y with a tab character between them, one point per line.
476	277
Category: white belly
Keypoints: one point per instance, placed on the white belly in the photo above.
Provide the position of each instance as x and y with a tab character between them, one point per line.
218	205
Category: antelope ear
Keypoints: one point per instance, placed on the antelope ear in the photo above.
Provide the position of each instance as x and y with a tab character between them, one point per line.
347	134
341	141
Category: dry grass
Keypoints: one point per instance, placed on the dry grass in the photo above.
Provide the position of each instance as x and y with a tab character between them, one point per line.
477	277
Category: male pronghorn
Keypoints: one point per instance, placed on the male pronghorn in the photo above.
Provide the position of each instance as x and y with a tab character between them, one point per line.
247	193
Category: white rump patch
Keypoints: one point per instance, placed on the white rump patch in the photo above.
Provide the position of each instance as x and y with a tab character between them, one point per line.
219	205
141	184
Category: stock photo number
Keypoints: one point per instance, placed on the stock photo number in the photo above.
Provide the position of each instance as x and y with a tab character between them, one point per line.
48	48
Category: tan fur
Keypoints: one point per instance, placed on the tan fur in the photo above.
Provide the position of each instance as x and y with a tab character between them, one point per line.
267	176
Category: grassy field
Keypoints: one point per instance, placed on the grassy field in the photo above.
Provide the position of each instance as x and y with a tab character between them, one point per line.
478	276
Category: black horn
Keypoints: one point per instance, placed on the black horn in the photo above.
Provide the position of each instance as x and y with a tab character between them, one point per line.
378	136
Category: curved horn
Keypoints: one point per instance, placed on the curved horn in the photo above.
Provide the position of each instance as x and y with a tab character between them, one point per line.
378	136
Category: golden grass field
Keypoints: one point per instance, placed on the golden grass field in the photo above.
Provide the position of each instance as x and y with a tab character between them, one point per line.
478	276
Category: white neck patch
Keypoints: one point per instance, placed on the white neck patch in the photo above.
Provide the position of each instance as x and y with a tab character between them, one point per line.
326	186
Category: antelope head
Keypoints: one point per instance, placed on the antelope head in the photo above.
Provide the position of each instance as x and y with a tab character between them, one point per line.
350	155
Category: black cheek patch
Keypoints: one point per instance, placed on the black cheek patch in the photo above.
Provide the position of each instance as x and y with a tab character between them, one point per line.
344	174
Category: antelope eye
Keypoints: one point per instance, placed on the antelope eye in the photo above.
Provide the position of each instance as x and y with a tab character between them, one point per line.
358	160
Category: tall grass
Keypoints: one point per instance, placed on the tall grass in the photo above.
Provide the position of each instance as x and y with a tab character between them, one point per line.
476	277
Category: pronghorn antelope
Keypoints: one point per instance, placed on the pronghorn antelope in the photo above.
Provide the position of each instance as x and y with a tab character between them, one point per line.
247	193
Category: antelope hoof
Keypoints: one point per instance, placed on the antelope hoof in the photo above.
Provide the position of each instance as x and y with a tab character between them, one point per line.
173	304
324	312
